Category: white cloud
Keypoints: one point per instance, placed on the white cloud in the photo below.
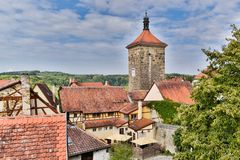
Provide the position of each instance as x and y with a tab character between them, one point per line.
49	38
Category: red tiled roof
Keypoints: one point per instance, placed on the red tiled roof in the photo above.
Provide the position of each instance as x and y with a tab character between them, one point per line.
117	122
33	137
176	91
7	83
147	38
138	94
129	108
83	142
75	83
93	99
140	124
200	75
47	93
4	82
93	84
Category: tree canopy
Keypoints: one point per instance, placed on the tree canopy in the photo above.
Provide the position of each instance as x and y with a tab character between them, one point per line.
121	151
211	127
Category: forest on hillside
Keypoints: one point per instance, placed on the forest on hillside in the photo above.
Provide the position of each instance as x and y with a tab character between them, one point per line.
62	79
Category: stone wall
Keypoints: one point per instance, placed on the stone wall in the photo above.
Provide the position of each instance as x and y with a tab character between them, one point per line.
164	135
146	64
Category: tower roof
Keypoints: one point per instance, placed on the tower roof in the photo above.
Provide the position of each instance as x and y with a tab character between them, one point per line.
146	37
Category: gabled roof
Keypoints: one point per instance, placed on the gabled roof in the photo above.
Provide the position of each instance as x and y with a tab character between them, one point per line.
82	142
47	93
129	108
4	82
8	83
93	99
177	91
146	38
137	95
33	137
117	122
140	124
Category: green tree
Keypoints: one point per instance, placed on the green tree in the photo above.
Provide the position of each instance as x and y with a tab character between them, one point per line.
121	151
211	127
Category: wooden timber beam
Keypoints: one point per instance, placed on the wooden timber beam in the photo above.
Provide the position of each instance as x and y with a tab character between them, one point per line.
44	102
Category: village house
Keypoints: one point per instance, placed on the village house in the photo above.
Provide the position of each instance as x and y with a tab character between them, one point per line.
175	90
106	112
17	98
82	145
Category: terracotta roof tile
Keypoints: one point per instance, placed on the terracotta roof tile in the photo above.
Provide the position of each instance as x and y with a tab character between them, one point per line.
82	142
129	108
39	137
177	91
140	124
7	83
200	75
92	99
75	83
147	38
138	94
117	122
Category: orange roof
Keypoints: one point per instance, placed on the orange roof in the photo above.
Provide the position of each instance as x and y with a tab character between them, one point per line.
138	94
200	75
117	122
177	91
140	124
4	82
93	99
75	83
33	137
93	84
148	39
129	108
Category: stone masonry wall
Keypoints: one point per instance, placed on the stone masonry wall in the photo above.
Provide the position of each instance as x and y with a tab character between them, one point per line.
148	63
164	136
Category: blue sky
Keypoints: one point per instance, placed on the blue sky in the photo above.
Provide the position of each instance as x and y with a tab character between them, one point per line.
89	36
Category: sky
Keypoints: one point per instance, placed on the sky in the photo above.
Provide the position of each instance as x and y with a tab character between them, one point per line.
90	36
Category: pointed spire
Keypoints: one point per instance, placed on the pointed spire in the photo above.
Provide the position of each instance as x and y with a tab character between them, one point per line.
146	22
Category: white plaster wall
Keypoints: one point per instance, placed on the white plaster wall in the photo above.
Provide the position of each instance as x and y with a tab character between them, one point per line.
79	157
40	104
101	155
103	134
154	94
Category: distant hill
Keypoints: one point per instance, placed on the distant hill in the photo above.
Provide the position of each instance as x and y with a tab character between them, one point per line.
62	79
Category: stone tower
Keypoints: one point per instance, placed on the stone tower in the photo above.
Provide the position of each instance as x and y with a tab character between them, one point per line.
146	59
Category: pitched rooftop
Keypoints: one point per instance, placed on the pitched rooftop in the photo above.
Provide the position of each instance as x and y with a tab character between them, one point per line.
146	38
81	142
117	122
177	91
33	137
93	99
140	124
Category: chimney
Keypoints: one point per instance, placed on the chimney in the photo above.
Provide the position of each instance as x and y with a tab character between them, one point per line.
26	96
139	109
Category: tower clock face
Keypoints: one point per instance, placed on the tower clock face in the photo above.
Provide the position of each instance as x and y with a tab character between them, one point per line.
133	72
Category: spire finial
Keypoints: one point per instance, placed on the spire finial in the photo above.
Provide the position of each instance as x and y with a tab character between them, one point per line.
146	22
